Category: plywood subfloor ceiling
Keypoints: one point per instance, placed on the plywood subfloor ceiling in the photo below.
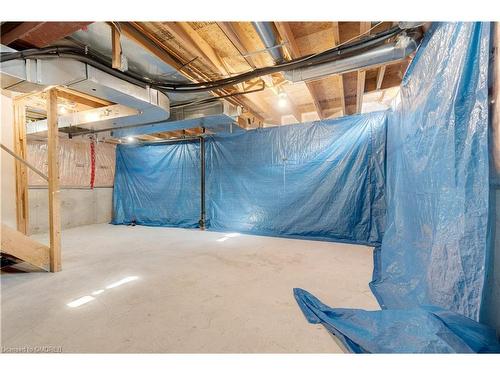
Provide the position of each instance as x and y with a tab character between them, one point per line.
216	50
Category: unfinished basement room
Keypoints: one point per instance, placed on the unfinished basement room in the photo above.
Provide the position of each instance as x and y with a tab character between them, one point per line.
250	186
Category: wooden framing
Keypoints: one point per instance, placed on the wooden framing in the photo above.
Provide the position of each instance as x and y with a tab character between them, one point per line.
204	51
116	49
137	33
245	45
360	90
364	27
196	44
380	77
20	31
16	242
286	34
53	184
336	42
21	246
20	149
82	98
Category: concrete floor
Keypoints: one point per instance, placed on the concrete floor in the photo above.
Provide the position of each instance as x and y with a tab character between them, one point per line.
178	290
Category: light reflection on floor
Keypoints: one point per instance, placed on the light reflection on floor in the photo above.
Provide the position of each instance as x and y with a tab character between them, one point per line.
86	299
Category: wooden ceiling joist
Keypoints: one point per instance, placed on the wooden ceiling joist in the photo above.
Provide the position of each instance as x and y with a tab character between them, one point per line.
204	51
230	33
40	34
286	35
20	31
380	77
364	28
245	45
141	36
116	48
79	97
183	32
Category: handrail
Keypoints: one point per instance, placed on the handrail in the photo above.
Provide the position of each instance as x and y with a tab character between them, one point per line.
37	171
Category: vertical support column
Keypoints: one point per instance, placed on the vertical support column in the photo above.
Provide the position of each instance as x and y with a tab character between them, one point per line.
202	183
20	148
53	163
495	106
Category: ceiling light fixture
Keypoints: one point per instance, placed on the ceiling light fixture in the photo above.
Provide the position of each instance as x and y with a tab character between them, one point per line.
282	100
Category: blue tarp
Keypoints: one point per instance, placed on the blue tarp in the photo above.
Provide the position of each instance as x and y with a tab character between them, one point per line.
322	180
157	185
425	329
325	180
435	249
431	268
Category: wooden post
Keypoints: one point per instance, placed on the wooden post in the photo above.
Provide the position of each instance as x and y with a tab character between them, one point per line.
53	164
116	48
20	148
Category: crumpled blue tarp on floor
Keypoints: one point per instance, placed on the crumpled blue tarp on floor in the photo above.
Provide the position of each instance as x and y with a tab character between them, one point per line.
435	250
322	180
423	329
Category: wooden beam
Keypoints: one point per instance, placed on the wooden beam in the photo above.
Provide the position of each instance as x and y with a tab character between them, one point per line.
380	77
363	28
248	44
286	35
196	44
147	137
80	97
21	246
148	41
20	149
53	164
336	42
20	31
49	32
360	90
116	48
135	35
336	34
228	29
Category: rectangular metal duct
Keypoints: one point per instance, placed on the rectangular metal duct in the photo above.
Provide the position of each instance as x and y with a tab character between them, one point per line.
144	104
217	116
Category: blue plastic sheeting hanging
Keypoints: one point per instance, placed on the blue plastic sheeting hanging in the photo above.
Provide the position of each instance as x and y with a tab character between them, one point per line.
322	180
157	185
423	329
430	271
435	249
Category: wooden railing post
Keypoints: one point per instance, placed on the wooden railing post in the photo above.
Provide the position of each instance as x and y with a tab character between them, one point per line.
53	164
20	145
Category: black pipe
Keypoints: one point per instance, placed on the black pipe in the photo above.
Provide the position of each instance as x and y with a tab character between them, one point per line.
92	59
202	182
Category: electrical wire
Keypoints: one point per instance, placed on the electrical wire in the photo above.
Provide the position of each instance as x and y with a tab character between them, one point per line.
87	56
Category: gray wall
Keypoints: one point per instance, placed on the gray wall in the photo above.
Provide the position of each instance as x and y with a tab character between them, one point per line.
78	207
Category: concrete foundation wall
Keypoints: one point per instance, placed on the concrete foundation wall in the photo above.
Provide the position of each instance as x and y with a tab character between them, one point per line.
78	207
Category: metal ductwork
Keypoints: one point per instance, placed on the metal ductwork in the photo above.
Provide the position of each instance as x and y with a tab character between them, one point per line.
133	104
219	116
385	54
270	39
